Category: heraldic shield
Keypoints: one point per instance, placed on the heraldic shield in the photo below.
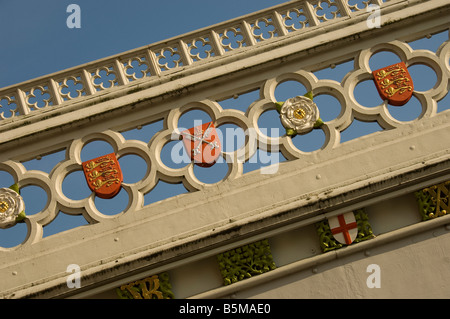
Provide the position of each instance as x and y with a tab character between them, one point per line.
394	84
103	175
344	228
202	143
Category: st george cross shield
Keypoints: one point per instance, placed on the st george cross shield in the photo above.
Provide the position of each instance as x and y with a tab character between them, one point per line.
103	175
202	144
344	228
394	84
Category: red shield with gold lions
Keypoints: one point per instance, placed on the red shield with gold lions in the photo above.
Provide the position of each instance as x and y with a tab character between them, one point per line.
103	175
394	84
202	144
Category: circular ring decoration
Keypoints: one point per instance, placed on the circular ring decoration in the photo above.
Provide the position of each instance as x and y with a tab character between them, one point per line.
12	207
299	115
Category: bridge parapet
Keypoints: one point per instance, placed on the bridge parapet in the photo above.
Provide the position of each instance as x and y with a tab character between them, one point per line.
169	56
105	99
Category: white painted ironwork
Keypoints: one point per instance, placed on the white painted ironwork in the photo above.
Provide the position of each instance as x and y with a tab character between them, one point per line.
103	99
275	22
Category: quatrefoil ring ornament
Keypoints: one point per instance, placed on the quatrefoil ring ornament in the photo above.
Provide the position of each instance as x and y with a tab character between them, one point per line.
299	115
12	207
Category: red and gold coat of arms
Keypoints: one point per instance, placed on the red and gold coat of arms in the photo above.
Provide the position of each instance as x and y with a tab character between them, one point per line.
202	144
103	175
394	84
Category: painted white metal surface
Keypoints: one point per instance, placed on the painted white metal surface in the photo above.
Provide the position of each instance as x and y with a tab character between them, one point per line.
306	188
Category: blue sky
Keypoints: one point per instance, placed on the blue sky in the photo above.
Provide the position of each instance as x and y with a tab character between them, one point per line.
35	41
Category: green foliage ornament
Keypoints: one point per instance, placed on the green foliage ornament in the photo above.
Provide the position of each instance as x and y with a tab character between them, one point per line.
12	207
299	115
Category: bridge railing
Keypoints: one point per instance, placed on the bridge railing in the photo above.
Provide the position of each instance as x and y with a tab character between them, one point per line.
57	89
